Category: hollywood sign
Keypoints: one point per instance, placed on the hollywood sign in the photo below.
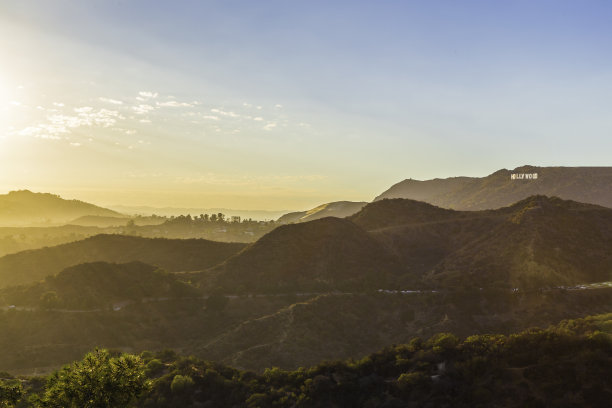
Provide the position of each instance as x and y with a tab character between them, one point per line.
523	176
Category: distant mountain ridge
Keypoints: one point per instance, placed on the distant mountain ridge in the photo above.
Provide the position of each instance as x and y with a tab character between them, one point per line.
24	207
339	209
584	184
173	255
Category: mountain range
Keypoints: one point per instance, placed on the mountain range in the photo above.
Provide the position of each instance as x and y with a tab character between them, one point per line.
392	243
314	289
405	244
504	187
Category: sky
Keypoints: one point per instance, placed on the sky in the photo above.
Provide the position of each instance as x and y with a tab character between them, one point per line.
279	104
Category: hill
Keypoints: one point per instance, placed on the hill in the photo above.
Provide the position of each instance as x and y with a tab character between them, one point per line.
18	208
338	209
328	253
566	365
98	285
173	255
395	212
335	326
100	221
539	241
585	184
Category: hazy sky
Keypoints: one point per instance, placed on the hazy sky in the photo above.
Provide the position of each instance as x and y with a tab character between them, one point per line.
289	104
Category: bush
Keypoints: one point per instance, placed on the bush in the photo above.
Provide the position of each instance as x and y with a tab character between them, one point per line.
181	384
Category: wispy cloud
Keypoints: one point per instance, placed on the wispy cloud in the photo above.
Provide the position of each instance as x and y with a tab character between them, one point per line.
270	126
142	109
59	124
148	94
225	113
175	104
111	101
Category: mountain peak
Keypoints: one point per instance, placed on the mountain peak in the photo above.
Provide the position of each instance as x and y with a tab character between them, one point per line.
392	212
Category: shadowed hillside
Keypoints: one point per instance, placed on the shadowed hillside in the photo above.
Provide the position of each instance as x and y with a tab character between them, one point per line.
584	184
338	209
542	241
96	285
539	241
25	208
328	253
565	365
396	212
173	255
336	326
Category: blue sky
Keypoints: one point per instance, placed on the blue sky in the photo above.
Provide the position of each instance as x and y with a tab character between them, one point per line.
288	104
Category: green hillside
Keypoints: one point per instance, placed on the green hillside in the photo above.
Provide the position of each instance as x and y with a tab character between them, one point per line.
320	255
566	365
539	241
97	285
173	255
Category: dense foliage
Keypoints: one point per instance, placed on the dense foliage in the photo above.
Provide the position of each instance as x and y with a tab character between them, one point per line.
98	381
565	366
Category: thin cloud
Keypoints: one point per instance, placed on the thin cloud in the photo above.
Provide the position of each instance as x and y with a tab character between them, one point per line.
58	125
111	101
175	104
143	109
225	113
148	94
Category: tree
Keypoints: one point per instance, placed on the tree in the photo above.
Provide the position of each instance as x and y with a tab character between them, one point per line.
10	393
97	381
181	384
49	300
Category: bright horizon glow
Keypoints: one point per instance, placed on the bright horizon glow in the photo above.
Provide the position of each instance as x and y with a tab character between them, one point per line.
287	105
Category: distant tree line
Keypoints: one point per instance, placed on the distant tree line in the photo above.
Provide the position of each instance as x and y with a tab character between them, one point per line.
218	218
